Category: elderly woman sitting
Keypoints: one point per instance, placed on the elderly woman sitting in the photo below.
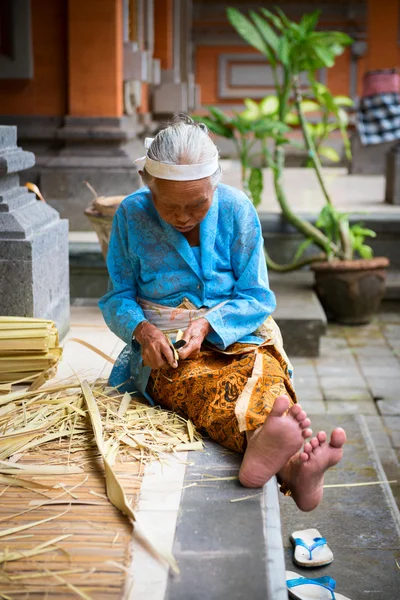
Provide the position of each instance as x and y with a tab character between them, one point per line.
186	253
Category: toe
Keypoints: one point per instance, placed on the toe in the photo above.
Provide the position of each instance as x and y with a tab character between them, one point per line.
295	410
314	443
321	437
307	433
304	457
338	437
305	424
301	416
280	406
307	447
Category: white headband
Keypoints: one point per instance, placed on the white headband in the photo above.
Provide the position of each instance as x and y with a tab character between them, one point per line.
162	170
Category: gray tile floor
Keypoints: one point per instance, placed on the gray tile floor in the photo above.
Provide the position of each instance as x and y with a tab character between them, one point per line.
355	383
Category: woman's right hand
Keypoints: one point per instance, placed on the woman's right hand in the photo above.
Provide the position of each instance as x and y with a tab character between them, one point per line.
156	351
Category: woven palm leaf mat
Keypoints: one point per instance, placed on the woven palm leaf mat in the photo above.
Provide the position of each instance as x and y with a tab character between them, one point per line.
97	550
71	465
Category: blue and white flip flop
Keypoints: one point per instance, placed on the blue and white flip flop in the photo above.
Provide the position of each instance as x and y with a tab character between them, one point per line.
310	548
320	588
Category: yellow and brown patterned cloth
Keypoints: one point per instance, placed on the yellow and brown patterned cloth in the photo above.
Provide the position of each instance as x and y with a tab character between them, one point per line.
226	393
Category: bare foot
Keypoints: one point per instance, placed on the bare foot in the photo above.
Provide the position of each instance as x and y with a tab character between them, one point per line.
271	446
304	474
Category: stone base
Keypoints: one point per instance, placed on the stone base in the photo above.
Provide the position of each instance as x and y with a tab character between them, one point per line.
369	160
74	150
34	273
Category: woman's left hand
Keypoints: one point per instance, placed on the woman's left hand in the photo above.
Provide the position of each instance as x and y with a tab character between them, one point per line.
194	336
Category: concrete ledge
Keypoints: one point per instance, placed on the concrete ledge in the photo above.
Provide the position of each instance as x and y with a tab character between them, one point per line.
282	240
299	314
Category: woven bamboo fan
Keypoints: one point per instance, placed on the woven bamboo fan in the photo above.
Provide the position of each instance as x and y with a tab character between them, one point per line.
101	213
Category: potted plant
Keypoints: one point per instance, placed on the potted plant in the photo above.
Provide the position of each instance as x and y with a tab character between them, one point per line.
349	280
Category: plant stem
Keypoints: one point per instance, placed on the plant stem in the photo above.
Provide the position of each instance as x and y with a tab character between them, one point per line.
344	237
312	152
306	228
293	265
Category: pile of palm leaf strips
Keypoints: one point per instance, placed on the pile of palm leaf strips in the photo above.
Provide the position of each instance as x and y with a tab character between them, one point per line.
93	417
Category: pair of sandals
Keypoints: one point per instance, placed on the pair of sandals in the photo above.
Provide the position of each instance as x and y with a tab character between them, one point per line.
311	550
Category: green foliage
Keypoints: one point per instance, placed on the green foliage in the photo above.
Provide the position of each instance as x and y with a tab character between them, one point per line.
256	124
331	221
297	46
255	185
294	50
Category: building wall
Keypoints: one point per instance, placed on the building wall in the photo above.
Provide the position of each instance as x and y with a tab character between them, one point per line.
46	93
212	60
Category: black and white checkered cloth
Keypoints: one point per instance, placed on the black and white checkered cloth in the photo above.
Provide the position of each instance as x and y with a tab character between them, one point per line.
378	119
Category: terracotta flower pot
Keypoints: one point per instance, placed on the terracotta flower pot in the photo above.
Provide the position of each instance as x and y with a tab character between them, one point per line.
351	291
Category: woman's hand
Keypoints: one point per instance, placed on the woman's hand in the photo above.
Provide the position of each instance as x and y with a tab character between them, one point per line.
156	351
194	336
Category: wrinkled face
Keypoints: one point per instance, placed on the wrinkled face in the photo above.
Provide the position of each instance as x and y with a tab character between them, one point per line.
182	204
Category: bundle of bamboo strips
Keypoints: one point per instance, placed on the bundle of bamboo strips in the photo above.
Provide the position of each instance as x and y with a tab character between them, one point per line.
28	347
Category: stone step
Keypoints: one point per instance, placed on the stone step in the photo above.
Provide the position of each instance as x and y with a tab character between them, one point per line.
299	314
226	548
393	285
282	240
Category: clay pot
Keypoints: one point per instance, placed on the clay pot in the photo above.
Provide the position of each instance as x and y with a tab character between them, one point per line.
351	291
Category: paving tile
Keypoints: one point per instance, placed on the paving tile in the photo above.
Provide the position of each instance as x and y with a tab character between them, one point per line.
342	381
305	373
314	407
360	574
392	425
374	352
299	362
347	408
378	432
389	407
329	344
373	371
346	393
384	388
392	331
233	575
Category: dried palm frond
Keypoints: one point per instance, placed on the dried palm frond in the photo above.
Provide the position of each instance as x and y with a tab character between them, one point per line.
95	418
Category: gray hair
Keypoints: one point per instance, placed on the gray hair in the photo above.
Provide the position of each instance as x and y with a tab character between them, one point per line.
184	142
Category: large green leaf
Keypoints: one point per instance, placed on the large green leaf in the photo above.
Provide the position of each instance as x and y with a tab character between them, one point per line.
325	55
332	37
214	127
276	22
309	106
309	21
284	51
266	31
246	29
343	101
329	153
269	105
286	22
265	126
255	185
292	118
219	115
342	117
252	106
302	248
358	229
